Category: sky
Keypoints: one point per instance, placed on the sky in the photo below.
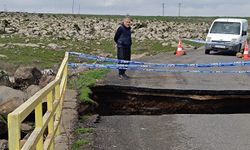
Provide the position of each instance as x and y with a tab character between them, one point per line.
240	8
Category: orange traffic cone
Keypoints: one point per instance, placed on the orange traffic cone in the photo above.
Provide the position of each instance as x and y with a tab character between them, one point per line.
180	50
245	55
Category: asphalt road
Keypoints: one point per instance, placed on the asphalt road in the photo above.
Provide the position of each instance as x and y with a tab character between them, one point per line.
187	80
173	132
178	131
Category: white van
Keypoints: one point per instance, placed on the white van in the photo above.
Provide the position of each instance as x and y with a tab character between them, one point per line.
226	34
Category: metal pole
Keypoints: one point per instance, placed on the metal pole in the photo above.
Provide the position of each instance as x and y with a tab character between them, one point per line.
79	9
179	13
73	3
5	7
163	5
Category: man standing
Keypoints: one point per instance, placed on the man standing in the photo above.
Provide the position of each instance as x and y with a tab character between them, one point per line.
123	43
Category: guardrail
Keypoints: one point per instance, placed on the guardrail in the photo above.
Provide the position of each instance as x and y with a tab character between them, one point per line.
53	94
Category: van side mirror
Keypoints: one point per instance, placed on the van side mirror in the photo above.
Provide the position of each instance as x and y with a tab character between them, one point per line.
207	30
244	33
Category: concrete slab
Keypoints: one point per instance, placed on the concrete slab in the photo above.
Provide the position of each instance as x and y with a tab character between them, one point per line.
69	118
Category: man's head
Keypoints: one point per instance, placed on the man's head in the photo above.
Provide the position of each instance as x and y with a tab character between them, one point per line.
127	22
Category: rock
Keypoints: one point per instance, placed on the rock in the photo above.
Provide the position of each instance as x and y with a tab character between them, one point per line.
8	93
4	78
53	46
3	56
26	45
10	105
137	56
25	76
48	72
27	40
239	55
3	45
77	28
45	80
92	28
32	89
12	79
164	44
10	99
4	23
3	144
26	128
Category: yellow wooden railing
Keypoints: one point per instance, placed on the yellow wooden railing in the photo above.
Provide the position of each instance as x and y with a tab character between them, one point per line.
53	94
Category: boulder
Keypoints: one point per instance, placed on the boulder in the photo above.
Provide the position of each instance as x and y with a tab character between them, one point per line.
32	89
3	24
25	76
4	78
10	99
26	128
3	144
89	28
46	79
53	46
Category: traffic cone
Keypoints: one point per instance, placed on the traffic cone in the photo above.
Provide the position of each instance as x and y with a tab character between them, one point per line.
245	55
180	51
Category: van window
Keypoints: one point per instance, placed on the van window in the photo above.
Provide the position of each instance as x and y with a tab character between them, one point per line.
244	27
226	28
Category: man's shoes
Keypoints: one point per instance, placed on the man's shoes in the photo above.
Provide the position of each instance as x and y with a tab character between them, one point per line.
120	77
123	76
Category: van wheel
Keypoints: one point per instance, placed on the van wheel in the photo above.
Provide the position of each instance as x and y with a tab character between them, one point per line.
207	51
239	49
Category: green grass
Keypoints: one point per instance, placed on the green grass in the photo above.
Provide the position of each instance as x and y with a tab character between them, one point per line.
150	47
77	144
29	56
84	95
84	130
85	80
85	117
193	43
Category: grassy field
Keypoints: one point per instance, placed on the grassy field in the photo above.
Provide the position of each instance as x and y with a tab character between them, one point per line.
45	57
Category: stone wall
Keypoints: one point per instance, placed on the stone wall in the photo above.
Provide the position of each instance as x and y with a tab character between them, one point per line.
87	28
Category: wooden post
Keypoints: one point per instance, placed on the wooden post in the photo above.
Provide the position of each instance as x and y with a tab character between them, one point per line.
14	132
39	124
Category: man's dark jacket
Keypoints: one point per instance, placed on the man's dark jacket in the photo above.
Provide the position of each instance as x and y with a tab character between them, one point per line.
123	37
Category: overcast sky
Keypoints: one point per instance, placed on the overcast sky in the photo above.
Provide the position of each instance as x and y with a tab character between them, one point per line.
133	7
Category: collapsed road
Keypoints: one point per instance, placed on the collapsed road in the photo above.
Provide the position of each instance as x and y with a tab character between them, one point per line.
175	111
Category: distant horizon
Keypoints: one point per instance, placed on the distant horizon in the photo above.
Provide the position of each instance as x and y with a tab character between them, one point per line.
204	8
62	13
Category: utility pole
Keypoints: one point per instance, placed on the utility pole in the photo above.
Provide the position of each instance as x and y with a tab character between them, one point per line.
73	4
79	9
179	12
163	7
5	7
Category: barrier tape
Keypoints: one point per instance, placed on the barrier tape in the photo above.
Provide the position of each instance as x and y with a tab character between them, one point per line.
155	65
205	42
136	67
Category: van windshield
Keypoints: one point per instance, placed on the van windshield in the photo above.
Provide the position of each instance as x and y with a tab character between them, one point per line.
226	28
